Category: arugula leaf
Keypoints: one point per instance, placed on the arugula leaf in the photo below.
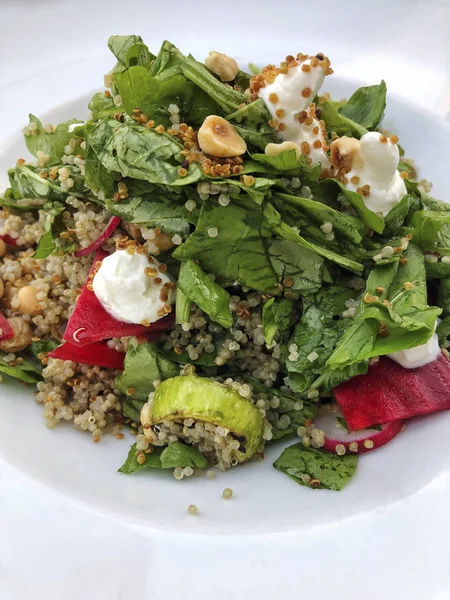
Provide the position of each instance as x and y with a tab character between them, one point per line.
17	203
144	365
368	217
366	106
315	468
52	144
131	464
239	251
168	62
432	230
129	50
321	213
277	317
26	371
138	152
206	293
406	318
153	210
338	123
182	455
226	97
252	123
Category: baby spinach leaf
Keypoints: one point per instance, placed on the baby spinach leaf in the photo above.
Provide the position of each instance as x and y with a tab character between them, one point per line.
182	455
338	123
321	213
144	365
396	216
129	50
239	251
443	331
182	308
277	317
153	210
368	217
168	62
205	293
432	230
443	299
406	319
52	144
102	106
366	106
138	152
28	183
131	465
302	267
315	468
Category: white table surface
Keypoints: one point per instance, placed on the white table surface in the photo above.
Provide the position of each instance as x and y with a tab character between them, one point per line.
53	549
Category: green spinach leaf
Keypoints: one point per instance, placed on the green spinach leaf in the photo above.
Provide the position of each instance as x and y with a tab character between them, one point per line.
366	106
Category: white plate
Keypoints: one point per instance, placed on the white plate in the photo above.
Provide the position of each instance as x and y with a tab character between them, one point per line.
265	501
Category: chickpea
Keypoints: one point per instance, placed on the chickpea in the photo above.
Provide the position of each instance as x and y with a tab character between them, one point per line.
219	138
22	336
222	65
164	241
28	300
2	248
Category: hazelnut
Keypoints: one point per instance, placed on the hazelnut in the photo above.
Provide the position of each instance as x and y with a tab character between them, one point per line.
275	149
164	241
219	138
22	336
222	65
345	153
28	300
2	248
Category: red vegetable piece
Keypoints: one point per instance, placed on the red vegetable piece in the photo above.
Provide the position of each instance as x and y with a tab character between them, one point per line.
9	241
90	322
6	332
98	353
106	234
356	442
388	392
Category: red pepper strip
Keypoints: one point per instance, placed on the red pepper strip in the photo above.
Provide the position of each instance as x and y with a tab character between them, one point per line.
99	354
389	392
105	234
6	332
10	241
90	322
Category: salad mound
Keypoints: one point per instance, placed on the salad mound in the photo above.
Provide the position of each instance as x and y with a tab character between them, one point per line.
218	260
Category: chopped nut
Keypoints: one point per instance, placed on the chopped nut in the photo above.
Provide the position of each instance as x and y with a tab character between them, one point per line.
219	138
222	65
275	149
344	152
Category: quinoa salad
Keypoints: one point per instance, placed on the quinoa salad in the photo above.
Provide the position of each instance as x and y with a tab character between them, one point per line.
218	260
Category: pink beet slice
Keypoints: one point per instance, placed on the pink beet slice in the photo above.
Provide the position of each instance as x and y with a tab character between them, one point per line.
98	353
105	234
360	441
6	332
90	322
10	241
388	392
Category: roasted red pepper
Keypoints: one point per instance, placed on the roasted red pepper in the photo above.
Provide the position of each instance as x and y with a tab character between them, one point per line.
389	392
90	322
99	354
6	332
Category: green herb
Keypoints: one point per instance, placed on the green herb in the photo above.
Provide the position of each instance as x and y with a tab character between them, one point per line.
182	455
43	346
26	371
366	106
316	469
144	365
277	317
131	465
205	293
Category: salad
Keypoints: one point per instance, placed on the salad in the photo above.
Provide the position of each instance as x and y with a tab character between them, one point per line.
217	260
